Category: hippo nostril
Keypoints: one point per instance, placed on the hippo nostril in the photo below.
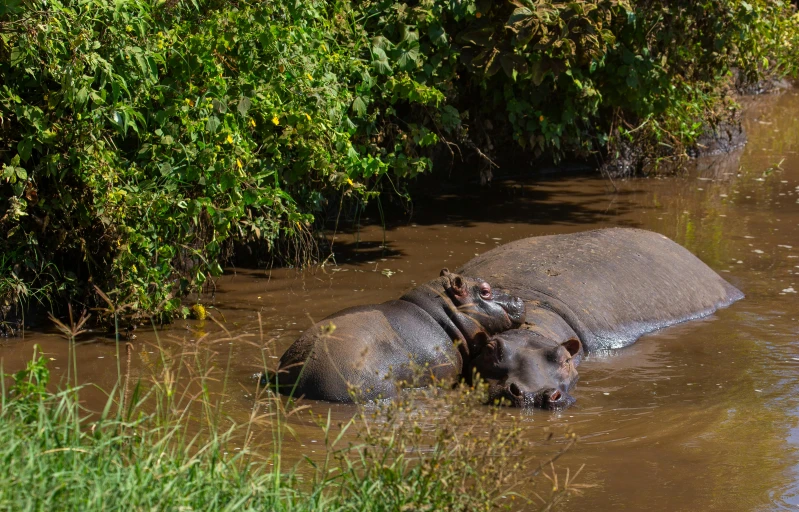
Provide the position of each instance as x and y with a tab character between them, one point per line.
515	391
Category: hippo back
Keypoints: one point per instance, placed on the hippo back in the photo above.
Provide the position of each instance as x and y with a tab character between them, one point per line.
610	285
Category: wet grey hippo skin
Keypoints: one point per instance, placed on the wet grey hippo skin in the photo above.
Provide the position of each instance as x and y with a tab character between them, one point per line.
527	369
607	286
374	350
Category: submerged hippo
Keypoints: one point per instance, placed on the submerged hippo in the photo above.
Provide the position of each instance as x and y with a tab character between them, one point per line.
528	369
605	287
370	352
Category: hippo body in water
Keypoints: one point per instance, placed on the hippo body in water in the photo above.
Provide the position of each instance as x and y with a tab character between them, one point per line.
606	287
370	352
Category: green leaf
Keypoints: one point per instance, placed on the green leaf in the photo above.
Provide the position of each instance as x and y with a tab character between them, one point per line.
380	62
228	181
450	118
407	59
17	56
213	124
479	37
408	35
381	43
487	61
219	106
437	35
244	106
250	196
519	14
25	148
81	97
22	174
359	107
513	64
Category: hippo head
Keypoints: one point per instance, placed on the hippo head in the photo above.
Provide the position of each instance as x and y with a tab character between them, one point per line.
480	311
526	372
468	309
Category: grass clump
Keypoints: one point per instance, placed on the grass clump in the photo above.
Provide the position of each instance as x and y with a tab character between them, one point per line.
165	442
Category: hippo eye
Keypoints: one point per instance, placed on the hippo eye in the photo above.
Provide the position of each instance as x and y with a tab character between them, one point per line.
485	291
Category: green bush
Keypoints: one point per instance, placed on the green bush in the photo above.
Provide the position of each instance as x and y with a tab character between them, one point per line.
140	138
561	77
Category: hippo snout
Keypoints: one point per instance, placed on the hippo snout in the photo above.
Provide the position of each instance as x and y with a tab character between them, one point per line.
551	399
514	307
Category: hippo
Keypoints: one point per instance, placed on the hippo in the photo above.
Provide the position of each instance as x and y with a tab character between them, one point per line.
527	369
370	352
605	287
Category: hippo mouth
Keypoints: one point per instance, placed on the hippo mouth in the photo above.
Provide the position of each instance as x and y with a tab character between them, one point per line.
550	399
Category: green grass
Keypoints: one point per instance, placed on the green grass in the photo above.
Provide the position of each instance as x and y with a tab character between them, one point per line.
165	443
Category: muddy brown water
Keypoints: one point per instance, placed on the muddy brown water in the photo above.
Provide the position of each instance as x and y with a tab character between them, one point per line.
698	416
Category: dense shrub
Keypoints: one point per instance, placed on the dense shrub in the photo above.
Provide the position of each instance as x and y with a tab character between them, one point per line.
565	77
141	137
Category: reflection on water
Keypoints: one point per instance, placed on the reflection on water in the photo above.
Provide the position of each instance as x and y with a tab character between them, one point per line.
701	415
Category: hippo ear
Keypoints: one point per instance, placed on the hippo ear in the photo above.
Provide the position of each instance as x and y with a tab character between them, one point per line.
458	284
573	346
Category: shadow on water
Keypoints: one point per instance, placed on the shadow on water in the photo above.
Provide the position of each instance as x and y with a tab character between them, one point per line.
698	416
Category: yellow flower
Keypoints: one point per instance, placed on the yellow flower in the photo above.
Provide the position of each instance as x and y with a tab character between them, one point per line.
252	122
189	102
230	139
541	118
133	267
307	117
308	75
275	121
200	313
350	182
238	162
